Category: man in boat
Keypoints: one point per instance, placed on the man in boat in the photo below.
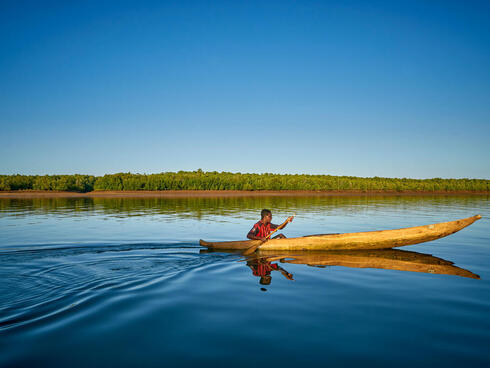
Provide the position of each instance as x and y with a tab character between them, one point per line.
263	228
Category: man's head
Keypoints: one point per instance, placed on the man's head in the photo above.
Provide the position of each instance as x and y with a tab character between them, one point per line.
265	280
266	216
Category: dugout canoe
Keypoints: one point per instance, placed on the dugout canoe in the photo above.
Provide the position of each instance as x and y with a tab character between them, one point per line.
381	239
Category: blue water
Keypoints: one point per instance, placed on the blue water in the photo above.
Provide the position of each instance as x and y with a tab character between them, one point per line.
124	282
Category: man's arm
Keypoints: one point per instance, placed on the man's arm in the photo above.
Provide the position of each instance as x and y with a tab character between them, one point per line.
285	273
289	219
252	234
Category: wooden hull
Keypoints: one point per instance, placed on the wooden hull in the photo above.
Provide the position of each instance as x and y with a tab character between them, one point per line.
382	239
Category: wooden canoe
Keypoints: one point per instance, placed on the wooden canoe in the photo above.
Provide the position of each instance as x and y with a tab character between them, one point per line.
382	239
387	259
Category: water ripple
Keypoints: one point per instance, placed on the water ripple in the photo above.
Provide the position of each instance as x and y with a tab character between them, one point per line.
56	279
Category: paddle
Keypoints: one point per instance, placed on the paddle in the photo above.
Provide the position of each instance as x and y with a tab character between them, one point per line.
254	247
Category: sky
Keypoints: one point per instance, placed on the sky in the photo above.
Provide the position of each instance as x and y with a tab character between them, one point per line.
361	88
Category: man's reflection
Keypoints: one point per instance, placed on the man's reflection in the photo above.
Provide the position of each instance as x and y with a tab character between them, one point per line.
262	268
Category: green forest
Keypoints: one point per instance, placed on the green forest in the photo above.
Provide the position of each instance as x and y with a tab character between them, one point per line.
200	180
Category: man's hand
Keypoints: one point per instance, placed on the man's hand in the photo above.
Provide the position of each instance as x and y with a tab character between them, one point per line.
264	239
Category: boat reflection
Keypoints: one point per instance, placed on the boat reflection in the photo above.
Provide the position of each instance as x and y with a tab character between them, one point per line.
263	262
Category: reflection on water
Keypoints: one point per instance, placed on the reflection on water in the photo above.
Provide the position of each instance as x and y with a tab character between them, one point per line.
201	207
262	267
262	262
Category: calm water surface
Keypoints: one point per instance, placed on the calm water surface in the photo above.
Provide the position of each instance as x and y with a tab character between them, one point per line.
124	282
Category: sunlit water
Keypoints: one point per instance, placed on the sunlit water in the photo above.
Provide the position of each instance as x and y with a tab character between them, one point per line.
124	283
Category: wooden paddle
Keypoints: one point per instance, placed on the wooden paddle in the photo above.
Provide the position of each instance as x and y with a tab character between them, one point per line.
254	247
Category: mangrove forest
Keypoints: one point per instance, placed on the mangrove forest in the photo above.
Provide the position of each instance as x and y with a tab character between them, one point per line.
200	180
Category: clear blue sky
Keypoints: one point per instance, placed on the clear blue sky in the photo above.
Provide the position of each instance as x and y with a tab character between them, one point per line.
364	88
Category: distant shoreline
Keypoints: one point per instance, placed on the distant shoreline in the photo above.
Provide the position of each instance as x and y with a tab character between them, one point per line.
218	193
188	183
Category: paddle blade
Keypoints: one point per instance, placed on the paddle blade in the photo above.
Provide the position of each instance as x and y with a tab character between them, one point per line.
252	249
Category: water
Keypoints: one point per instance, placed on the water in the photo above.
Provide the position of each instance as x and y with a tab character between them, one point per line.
123	282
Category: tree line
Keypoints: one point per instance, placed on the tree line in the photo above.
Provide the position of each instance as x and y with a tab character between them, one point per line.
200	180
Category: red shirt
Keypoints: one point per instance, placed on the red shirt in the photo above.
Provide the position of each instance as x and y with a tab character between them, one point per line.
264	269
262	230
